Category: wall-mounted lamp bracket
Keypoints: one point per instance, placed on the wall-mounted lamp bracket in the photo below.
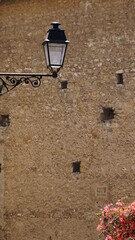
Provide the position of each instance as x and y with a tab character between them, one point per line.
9	81
55	45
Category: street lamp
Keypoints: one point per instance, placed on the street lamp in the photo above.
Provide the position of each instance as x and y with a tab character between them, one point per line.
54	45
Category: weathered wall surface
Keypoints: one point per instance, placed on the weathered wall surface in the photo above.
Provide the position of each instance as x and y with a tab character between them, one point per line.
51	128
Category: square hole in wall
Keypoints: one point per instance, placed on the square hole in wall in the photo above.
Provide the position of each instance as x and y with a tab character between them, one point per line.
4	120
107	114
101	191
119	78
64	84
76	167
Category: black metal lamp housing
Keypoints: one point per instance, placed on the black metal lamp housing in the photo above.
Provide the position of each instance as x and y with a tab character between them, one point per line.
55	46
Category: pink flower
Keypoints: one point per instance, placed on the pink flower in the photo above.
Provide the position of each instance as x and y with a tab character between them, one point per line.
120	204
117	223
108	237
99	228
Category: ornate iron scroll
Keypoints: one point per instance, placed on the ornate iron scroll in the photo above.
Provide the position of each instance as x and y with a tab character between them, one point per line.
9	81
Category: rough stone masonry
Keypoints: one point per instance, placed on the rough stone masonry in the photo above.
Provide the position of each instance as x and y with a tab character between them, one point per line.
65	153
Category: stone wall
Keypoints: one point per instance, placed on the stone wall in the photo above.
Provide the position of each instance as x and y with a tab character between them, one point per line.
52	128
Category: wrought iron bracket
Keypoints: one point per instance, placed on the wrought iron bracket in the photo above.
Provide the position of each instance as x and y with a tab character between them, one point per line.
9	81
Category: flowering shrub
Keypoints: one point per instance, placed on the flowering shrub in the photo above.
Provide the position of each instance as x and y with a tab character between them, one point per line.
117	223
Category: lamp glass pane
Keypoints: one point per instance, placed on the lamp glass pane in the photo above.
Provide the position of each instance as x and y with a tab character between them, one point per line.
56	52
46	54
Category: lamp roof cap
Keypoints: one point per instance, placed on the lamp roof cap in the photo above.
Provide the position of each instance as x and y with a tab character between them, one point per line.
55	24
55	34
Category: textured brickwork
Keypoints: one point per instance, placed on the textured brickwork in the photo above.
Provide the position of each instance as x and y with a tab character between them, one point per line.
50	129
1	178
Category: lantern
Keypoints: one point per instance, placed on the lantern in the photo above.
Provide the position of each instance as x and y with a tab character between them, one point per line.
55	46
